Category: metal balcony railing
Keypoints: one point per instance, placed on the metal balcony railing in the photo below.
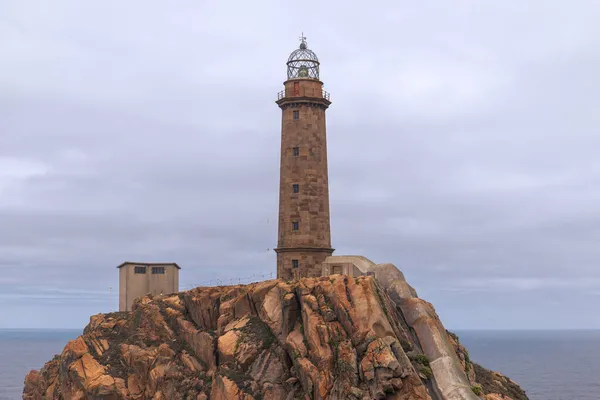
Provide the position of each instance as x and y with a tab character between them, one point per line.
303	92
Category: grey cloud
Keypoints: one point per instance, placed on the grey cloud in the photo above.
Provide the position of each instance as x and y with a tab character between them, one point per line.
462	147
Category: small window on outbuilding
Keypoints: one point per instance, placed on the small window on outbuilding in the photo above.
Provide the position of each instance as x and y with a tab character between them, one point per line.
296	114
295	225
296	151
295	264
158	270
296	188
139	270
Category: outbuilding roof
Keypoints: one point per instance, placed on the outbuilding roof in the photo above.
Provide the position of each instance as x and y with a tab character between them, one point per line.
149	264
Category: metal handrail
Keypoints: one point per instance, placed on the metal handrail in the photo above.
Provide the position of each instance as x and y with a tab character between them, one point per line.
305	92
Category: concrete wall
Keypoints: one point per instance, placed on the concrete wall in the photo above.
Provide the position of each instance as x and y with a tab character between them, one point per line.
348	265
133	286
122	289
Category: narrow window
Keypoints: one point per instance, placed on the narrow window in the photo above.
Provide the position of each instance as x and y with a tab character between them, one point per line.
296	188
139	270
296	151
296	114
158	270
295	264
295	225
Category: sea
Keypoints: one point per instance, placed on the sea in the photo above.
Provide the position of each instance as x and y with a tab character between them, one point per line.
549	365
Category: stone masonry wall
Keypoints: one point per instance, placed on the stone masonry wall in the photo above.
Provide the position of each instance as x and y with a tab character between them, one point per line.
308	169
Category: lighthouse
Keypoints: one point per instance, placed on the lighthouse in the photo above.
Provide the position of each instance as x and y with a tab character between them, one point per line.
304	236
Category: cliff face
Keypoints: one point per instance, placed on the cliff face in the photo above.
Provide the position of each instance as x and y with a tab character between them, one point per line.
318	338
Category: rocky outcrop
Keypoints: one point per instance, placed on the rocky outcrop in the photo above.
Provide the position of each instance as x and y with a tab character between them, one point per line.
455	375
334	337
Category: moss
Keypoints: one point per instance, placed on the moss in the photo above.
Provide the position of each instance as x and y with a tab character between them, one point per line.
426	371
421	359
453	336
258	396
461	351
368	340
230	295
137	318
381	300
477	390
406	345
237	344
344	367
238	377
334	341
334	344
325	300
258	330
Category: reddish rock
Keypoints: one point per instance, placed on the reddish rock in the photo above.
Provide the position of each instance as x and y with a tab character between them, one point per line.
334	338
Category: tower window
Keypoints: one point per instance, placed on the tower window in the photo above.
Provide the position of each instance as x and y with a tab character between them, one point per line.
158	270
139	270
295	225
296	188
296	114
295	264
296	151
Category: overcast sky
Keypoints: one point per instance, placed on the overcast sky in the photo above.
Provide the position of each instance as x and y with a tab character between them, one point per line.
463	142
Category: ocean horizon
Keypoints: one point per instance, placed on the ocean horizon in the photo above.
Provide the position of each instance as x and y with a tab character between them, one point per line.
548	364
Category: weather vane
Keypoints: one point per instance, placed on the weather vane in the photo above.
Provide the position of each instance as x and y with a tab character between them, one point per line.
302	41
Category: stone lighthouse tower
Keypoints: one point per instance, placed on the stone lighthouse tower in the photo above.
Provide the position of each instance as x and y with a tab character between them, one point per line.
304	233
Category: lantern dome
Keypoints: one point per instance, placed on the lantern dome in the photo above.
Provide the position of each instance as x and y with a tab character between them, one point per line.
303	63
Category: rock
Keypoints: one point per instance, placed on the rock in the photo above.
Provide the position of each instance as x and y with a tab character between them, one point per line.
273	392
445	365
134	385
247	351
190	362
270	367
228	346
203	306
498	384
35	386
270	310
334	338
242	306
495	396
202	343
291	381
224	388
